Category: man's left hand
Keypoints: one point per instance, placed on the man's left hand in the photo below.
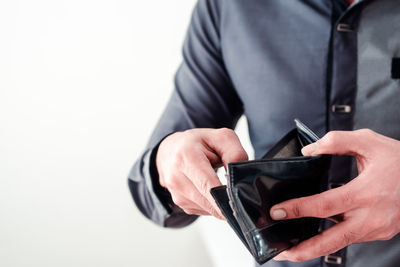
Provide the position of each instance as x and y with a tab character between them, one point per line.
367	208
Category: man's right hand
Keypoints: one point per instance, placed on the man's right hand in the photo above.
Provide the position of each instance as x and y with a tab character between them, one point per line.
187	161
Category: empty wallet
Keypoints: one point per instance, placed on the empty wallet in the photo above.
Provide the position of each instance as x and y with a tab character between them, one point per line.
253	187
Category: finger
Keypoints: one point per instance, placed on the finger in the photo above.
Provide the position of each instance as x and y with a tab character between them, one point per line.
202	175
193	211
340	143
227	145
325	243
202	203
189	206
187	196
323	205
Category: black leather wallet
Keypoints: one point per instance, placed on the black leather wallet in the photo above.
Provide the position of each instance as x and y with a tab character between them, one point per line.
253	187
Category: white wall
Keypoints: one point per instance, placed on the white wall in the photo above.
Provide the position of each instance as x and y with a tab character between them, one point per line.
223	246
82	83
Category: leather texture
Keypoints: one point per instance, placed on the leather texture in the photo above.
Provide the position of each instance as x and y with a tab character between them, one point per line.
255	186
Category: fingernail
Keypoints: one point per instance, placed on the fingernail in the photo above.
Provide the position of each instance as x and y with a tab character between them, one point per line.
309	149
278	214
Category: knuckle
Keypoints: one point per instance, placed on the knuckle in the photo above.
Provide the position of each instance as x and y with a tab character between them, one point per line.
385	228
204	187
161	180
329	139
208	207
171	182
193	195
167	183
347	198
365	137
296	209
367	228
214	213
187	139
189	211
178	160
239	155
365	132
185	153
387	235
189	159
226	132
346	237
188	133
349	237
179	201
377	223
298	258
325	207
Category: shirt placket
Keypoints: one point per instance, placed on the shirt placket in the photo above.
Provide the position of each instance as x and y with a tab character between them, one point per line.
341	103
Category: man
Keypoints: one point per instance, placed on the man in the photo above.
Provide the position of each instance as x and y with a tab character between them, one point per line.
332	63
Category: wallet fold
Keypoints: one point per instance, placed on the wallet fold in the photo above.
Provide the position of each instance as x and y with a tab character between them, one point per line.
253	187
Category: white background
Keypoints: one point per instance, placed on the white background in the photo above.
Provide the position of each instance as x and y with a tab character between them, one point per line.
82	83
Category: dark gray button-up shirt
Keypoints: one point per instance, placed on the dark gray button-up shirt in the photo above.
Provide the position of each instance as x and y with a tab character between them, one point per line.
327	63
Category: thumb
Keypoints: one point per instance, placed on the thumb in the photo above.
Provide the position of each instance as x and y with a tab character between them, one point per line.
227	145
350	143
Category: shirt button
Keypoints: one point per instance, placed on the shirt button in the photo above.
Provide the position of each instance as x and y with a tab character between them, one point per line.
341	108
343	27
333	259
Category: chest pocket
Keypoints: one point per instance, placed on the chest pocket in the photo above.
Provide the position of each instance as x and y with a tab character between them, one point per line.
378	78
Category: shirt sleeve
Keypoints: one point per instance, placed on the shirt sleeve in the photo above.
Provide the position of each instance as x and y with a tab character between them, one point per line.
204	97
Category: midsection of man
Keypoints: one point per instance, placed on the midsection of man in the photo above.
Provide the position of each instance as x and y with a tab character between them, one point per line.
322	61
